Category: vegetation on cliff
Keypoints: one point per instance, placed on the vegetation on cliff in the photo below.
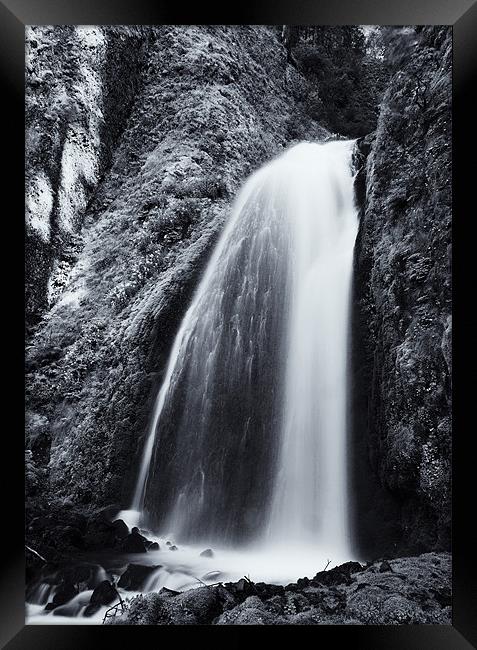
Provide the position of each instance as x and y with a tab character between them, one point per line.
402	329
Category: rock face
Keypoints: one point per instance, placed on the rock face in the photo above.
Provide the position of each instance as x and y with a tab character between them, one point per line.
80	84
211	105
402	311
411	590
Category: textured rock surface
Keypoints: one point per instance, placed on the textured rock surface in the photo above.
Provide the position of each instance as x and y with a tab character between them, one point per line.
412	590
80	84
402	319
213	104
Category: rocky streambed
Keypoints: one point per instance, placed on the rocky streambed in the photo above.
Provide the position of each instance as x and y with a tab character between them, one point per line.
136	580
412	590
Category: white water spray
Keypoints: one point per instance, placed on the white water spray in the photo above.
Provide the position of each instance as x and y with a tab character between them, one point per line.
310	498
284	265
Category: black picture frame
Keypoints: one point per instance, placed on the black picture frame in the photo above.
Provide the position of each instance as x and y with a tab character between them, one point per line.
462	15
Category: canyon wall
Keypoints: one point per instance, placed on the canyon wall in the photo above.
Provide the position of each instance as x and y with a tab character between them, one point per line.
402	310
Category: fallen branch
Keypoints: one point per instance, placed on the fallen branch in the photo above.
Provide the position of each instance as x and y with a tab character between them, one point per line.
35	553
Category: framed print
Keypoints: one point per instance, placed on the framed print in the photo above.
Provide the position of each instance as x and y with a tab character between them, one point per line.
244	347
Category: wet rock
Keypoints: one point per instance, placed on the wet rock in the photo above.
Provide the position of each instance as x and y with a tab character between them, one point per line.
167	593
385	566
91	610
134	542
211	575
120	528
154	546
104	594
173	548
64	593
338	575
207	553
84	576
135	575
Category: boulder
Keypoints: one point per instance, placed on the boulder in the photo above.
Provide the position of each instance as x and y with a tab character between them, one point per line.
251	612
120	528
207	553
104	594
385	566
135	575
134	542
338	575
64	593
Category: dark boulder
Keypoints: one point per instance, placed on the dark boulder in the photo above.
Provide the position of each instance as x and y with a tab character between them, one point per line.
120	528
154	546
207	553
135	575
84	575
168	593
385	566
104	594
338	575
64	593
241	589
173	548
101	532
134	542
266	591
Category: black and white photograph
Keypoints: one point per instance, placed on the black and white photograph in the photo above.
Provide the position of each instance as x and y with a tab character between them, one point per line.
238	324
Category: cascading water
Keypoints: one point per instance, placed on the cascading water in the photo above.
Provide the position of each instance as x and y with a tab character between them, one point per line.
248	435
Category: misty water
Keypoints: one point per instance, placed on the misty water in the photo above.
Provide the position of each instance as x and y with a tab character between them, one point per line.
246	450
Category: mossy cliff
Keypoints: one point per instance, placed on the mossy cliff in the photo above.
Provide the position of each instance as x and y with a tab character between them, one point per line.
402	310
212	104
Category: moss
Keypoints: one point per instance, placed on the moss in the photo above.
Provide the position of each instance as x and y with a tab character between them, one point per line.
403	296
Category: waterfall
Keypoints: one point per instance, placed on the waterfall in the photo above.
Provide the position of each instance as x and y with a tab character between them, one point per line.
248	434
